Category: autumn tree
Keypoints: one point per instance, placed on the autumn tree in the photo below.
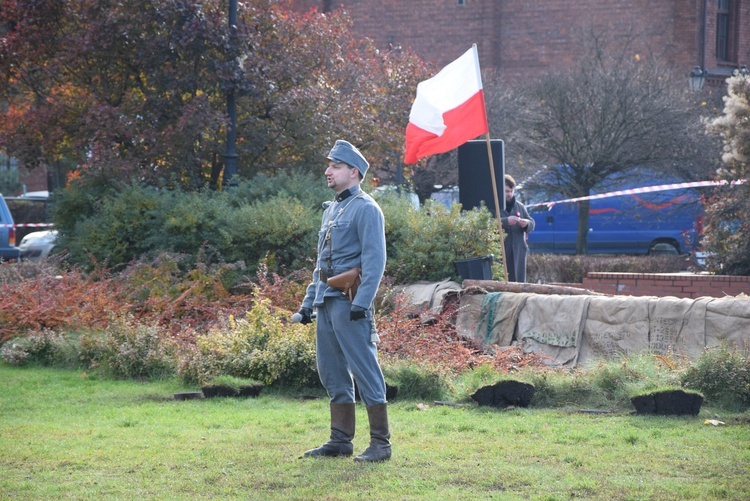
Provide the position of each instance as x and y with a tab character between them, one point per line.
136	89
121	87
727	228
613	113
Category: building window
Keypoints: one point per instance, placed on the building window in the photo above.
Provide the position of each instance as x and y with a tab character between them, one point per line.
724	31
461	2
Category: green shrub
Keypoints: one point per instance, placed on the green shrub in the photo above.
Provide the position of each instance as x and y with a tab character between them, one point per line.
259	346
136	220
130	350
46	347
424	243
309	189
117	232
272	218
722	375
184	222
280	230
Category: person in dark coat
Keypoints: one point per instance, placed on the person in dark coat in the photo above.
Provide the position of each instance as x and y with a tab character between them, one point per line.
517	223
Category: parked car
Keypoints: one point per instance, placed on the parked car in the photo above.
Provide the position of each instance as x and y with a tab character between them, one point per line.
37	245
8	249
31	213
659	222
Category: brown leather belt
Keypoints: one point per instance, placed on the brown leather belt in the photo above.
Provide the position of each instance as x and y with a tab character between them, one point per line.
323	276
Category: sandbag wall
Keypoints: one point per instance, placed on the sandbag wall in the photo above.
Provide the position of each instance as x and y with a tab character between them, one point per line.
573	330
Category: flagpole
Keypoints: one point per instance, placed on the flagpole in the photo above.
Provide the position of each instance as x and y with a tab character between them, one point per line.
497	206
492	170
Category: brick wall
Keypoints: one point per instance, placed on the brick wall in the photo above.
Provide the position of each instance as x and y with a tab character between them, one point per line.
34	179
527	38
667	284
438	30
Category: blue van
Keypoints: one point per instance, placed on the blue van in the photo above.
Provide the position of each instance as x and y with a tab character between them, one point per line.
659	222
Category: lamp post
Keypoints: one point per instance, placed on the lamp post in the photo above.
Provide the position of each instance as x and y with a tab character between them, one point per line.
230	155
697	78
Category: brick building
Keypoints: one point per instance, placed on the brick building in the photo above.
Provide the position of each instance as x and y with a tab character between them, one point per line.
526	38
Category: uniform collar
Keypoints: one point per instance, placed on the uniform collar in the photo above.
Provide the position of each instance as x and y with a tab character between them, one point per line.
347	193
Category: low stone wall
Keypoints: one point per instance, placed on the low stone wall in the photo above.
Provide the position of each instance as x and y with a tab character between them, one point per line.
682	285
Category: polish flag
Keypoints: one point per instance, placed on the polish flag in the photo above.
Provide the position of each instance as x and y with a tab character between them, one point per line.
448	110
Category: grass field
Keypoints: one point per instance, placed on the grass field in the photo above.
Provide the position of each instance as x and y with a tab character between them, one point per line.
67	435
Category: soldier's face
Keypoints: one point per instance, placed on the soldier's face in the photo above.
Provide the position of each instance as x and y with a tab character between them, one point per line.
341	176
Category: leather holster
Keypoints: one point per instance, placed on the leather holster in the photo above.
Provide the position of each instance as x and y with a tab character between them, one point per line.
347	282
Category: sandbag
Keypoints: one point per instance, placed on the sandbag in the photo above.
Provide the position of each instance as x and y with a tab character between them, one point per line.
728	322
677	324
426	296
615	326
490	318
552	326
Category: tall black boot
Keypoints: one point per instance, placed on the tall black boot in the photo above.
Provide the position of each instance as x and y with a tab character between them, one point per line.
380	445
342	433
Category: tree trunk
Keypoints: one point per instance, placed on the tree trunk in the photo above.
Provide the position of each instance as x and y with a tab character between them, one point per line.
495	286
583	228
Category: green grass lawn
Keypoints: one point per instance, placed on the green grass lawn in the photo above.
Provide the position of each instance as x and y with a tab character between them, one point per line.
67	435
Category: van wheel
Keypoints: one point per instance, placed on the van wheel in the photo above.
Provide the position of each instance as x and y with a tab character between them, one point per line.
663	248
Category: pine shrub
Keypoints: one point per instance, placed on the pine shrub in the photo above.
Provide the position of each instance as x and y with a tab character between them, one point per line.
423	244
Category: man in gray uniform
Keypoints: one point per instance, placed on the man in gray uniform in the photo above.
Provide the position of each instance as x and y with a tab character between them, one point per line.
352	235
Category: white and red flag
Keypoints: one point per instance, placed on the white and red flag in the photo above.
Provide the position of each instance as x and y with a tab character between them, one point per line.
448	110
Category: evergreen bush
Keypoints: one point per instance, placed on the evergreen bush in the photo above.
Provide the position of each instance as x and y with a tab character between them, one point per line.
10	184
272	218
424	243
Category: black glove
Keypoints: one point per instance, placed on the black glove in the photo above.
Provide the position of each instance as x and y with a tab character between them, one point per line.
306	314
357	313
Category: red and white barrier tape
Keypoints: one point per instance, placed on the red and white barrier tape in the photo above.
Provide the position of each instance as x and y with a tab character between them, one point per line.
27	225
644	189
